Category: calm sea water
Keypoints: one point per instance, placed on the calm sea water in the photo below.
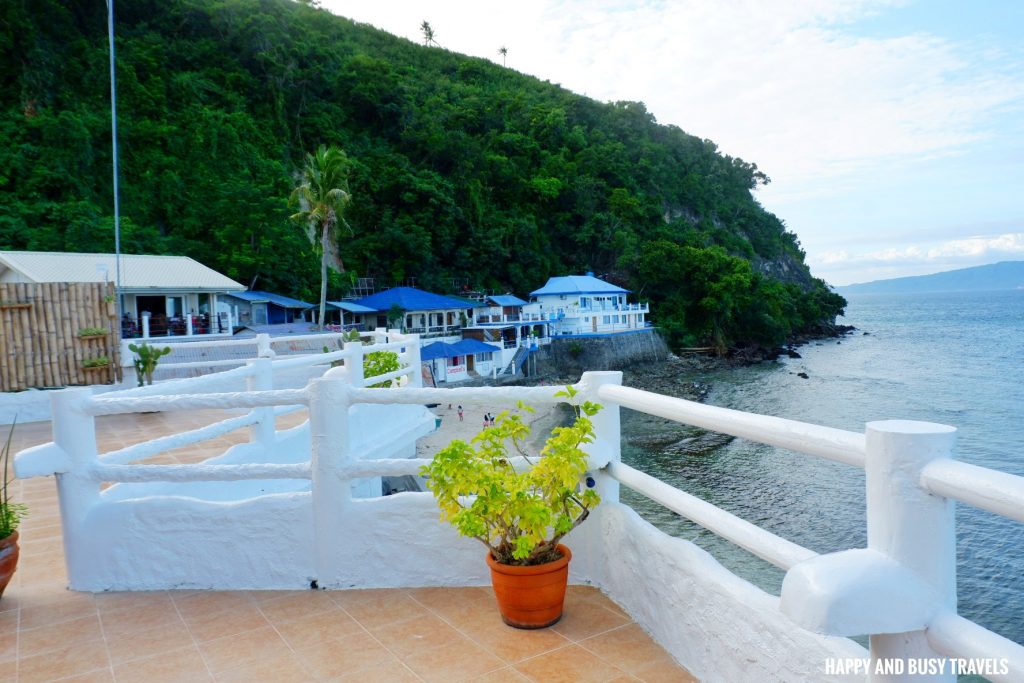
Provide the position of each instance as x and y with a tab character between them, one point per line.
956	359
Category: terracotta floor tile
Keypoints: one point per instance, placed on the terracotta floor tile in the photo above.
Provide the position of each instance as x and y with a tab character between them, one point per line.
9	670
242	649
377	608
629	648
353	654
135	618
506	675
8	639
136	644
108	602
458	661
664	670
513	644
571	664
397	674
198	605
291	607
173	666
583	619
54	636
425	632
321	628
67	661
281	668
98	676
226	623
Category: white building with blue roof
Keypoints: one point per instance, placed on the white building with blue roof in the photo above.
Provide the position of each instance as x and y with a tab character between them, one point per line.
423	313
256	307
586	305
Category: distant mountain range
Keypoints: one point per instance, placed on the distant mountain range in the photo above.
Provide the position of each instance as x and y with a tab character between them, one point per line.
997	276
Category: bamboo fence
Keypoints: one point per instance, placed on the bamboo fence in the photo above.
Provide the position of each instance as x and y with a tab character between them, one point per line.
39	334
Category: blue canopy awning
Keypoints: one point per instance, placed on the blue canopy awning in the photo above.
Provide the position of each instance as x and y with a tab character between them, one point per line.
465	347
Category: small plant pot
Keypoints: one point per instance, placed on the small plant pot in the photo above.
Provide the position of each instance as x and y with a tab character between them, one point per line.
8	559
531	597
92	336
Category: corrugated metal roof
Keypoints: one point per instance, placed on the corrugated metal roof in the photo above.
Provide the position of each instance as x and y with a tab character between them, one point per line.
506	300
280	300
410	299
138	272
578	284
351	307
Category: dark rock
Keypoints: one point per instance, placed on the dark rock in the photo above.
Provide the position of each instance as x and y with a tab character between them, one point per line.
802	374
793	354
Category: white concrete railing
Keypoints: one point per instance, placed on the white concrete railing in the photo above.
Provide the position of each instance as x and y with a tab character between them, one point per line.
265	402
900	590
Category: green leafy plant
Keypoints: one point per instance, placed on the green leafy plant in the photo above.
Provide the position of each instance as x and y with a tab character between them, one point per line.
380	363
519	516
11	513
92	332
146	359
98	362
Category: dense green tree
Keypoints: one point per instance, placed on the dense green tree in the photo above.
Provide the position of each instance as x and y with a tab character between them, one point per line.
460	170
322	197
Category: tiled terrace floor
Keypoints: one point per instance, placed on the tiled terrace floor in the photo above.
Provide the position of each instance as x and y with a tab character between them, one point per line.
48	633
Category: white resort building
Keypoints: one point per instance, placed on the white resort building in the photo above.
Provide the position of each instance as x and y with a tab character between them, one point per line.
586	305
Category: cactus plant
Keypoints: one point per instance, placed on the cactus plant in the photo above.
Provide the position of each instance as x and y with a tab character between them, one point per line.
146	359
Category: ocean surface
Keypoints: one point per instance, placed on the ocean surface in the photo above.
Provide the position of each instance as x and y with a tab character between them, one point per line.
955	359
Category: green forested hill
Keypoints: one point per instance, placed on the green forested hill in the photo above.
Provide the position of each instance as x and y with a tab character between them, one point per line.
462	168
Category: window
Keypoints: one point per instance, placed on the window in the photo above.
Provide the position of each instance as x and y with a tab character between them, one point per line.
484	357
606	319
455	361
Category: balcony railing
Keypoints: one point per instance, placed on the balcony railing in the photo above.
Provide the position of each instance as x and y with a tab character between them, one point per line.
900	590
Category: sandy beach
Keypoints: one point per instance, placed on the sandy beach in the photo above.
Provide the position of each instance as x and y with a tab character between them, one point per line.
541	423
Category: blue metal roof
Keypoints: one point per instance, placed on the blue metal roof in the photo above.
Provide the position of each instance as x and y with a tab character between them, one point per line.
410	299
257	296
473	346
578	284
506	300
438	350
350	306
465	347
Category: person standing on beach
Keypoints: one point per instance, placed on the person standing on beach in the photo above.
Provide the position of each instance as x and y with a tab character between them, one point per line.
487	420
460	413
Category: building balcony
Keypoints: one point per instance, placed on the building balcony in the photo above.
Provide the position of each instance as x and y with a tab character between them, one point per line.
48	633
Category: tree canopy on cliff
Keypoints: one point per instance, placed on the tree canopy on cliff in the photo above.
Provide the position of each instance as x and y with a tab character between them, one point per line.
461	170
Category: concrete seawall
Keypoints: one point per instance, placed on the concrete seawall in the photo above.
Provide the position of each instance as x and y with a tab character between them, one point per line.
576	354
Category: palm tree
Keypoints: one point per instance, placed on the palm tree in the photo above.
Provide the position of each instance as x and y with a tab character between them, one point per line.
428	33
322	197
503	51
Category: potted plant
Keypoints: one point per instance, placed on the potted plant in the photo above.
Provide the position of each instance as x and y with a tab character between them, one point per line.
10	515
521	516
145	361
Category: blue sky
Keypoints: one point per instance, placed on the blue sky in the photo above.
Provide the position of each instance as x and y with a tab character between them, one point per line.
893	130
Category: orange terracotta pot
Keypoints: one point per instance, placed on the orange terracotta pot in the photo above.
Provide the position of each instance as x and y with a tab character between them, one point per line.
531	597
8	559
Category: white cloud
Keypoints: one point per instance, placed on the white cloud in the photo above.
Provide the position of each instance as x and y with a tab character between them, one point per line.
919	259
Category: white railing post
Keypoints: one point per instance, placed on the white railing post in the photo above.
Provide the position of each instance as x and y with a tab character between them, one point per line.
74	432
332	495
263	432
263	347
606	448
145	325
354	364
188	325
910	526
411	358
